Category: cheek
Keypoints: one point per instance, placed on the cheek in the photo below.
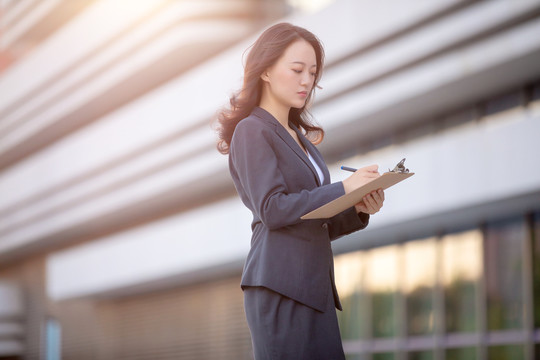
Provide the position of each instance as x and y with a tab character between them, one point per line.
286	76
287	79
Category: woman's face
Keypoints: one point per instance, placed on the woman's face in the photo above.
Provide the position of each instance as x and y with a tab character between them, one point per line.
290	80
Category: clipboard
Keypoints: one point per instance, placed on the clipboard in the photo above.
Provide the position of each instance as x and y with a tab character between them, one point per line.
346	201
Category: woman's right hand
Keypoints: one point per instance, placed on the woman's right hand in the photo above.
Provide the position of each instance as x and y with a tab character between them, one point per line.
361	177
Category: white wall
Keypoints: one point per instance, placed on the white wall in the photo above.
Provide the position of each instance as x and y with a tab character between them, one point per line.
209	237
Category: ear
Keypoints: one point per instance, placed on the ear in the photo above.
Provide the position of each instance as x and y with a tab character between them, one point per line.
265	76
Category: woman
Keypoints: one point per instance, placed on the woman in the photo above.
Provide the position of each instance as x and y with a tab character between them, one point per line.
288	282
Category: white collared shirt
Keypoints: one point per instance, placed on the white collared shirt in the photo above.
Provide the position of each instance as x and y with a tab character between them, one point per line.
317	168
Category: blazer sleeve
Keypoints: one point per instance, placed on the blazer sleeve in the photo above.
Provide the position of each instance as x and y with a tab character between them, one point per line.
261	182
347	222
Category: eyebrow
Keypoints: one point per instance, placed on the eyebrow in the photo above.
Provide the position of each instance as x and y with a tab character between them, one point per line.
302	63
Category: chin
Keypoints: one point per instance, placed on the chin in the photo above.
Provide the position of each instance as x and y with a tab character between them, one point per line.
298	105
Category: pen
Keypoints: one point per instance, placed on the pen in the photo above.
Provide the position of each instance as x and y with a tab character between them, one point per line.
348	168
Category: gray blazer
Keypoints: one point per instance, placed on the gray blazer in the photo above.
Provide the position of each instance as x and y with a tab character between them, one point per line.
278	183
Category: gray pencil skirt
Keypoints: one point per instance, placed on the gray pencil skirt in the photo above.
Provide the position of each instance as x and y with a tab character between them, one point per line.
283	329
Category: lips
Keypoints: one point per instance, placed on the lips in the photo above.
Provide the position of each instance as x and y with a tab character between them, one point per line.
302	93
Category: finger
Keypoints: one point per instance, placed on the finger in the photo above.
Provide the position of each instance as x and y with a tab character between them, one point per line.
375	201
381	194
360	207
366	171
371	168
373	175
379	197
376	196
370	203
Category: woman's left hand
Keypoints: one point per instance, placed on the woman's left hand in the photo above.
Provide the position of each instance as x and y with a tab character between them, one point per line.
371	203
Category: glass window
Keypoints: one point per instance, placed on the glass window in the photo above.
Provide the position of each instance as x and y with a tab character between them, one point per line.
349	273
535	92
504	102
420	355
506	352
382	285
461	354
384	356
536	271
504	275
461	270
357	357
419	280
458	119
52	340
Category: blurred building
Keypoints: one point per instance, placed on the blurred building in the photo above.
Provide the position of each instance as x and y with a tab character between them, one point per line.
121	236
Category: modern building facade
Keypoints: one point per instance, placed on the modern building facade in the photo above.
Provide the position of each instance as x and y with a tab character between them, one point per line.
121	236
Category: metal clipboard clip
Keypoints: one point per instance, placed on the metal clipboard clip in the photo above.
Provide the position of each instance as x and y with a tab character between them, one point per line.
400	168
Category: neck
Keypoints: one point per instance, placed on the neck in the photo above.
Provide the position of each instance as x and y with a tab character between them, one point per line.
280	112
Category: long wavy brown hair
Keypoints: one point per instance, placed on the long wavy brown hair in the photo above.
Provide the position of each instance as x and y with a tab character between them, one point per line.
263	54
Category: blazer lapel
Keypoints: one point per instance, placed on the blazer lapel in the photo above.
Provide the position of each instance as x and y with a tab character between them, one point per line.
284	134
288	139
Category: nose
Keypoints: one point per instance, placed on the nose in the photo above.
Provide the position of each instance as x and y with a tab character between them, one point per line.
306	78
